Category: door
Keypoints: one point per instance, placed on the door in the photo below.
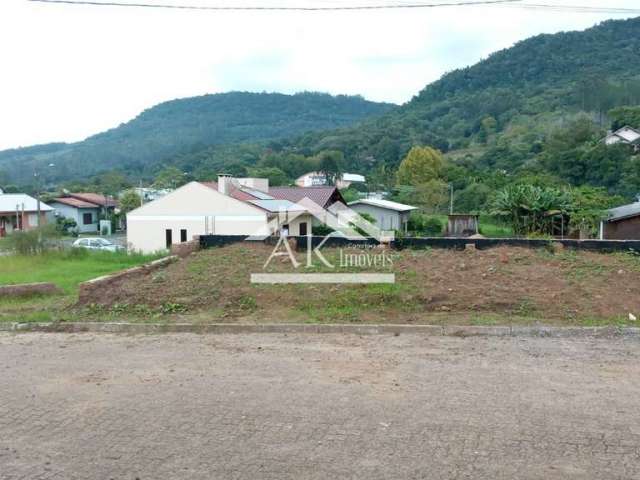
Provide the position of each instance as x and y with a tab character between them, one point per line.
303	229
169	237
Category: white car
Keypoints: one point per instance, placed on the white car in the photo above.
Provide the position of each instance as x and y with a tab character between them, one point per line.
97	244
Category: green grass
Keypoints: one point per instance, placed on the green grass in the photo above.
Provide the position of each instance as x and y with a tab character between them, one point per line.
492	229
488	226
65	269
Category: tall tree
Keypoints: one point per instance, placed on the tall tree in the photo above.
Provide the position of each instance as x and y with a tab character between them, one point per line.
331	162
421	165
170	177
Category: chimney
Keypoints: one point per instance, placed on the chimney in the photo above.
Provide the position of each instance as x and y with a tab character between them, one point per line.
224	183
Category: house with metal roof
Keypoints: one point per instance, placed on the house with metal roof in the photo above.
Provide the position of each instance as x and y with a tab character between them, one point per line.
625	135
622	223
19	211
387	214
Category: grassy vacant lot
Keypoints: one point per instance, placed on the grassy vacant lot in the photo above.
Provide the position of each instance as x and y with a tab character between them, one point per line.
488	226
66	270
497	286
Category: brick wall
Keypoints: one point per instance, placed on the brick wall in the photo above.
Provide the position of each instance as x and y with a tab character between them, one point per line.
628	229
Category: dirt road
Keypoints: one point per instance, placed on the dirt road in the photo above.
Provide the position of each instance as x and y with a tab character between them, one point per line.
317	407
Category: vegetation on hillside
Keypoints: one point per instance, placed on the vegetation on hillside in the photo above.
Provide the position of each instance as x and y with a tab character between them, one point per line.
185	127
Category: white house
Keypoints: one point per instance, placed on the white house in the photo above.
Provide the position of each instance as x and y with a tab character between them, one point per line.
85	214
84	209
626	135
316	179
388	215
19	211
228	207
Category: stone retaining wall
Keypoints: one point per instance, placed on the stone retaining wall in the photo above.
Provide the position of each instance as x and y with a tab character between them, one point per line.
186	248
87	289
27	289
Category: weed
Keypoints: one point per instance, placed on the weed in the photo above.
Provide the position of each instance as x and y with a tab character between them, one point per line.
169	308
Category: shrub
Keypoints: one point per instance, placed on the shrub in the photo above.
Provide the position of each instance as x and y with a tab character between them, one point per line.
424	224
66	226
321	230
32	242
432	226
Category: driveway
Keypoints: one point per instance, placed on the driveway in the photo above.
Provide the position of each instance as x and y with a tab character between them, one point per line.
317	407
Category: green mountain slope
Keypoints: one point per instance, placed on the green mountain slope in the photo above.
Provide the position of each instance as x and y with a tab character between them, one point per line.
509	101
187	125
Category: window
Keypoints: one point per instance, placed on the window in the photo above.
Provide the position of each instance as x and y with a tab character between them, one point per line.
87	218
84	243
183	235
168	237
303	229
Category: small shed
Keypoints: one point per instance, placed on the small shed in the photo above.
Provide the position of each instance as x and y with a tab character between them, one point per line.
622	223
387	214
462	225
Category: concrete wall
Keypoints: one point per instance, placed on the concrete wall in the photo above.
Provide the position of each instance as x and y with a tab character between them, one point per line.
628	229
294	224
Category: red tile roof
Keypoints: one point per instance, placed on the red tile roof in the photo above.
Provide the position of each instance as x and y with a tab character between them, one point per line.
322	196
75	202
95	198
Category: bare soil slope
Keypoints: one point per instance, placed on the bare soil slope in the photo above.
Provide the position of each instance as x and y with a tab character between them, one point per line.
483	286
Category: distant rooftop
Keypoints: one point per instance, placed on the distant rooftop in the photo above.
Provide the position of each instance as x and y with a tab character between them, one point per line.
625	134
74	202
320	195
275	206
625	211
387	204
9	202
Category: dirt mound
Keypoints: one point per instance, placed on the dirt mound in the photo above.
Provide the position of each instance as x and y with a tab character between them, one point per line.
509	281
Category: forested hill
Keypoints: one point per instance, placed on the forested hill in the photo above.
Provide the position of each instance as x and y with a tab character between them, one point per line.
187	125
540	107
501	111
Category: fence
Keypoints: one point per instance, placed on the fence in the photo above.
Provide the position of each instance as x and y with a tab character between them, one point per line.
208	241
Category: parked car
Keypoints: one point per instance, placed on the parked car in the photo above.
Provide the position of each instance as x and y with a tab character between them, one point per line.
97	244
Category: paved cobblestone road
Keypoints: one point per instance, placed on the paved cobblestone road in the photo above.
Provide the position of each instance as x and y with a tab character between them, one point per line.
317	407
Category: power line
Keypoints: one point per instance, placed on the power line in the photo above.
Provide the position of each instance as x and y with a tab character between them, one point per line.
279	8
382	6
577	8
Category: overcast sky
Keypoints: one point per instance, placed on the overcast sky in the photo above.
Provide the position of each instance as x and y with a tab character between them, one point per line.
72	71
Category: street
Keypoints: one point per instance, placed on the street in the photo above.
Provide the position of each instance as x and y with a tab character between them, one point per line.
183	406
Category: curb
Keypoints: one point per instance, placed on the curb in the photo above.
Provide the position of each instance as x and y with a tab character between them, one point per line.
226	328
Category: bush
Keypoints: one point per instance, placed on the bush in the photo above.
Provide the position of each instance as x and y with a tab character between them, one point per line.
32	242
433	226
424	224
66	226
320	230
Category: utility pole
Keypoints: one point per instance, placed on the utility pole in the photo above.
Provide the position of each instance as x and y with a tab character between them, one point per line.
451	199
36	175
